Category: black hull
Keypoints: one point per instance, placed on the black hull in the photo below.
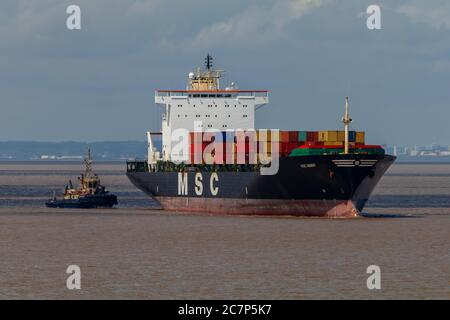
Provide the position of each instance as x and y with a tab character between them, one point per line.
85	202
327	185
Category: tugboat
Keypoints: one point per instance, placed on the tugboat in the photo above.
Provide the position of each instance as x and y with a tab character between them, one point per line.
89	194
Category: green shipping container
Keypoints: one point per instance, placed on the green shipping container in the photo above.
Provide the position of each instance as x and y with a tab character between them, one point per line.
302	136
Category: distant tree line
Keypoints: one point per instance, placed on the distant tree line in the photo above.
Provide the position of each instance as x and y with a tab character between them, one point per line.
104	150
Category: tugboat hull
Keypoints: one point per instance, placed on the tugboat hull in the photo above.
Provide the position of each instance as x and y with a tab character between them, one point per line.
85	202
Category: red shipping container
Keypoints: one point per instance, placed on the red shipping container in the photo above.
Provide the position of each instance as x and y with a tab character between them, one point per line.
284	147
293	136
293	145
229	147
219	157
284	136
193	148
195	137
247	147
241	158
196	158
312	136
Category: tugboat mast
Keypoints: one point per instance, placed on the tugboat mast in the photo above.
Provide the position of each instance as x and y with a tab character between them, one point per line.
88	164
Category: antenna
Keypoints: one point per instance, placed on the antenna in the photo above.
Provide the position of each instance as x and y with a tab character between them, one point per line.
208	61
88	162
346	120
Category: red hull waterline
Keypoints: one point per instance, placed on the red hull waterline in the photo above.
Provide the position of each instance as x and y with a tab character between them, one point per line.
273	207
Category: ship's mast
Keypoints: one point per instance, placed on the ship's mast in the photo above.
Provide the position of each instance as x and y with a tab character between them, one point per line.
346	120
88	164
208	62
207	79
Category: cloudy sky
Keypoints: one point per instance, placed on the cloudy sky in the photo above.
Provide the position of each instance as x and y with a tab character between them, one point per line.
98	83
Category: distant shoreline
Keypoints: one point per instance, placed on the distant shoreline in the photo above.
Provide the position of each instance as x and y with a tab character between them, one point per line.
59	161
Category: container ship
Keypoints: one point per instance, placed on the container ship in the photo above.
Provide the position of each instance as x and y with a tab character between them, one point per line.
212	160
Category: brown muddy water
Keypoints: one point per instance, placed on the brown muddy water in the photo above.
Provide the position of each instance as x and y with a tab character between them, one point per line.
135	252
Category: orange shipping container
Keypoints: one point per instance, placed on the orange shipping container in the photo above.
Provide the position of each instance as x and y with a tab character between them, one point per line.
360	137
264	135
284	136
340	135
333	143
328	136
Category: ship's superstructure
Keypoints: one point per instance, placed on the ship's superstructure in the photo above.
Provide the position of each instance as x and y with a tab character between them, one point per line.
316	173
206	104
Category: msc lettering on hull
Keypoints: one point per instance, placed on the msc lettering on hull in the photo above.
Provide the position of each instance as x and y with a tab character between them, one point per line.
198	181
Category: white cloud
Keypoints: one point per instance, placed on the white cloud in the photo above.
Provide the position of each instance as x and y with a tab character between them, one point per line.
143	7
433	12
255	23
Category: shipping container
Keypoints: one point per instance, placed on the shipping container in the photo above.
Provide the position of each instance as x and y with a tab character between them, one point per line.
284	136
333	143
214	137
269	147
312	136
352	136
360	137
196	158
229	136
293	136
264	135
195	148
246	146
340	136
328	135
293	145
264	146
302	136
195	137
